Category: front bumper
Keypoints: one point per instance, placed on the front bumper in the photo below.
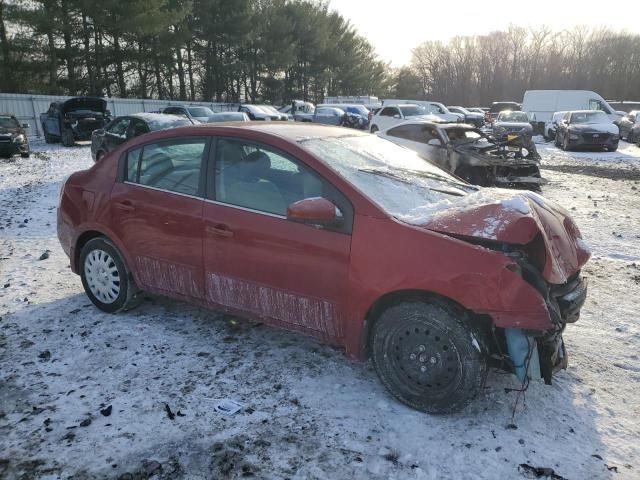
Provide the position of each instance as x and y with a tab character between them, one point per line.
9	148
564	303
592	140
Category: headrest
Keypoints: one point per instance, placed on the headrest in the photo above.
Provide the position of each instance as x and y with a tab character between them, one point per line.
255	166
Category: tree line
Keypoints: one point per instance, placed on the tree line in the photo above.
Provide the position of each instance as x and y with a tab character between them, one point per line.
477	70
278	50
213	50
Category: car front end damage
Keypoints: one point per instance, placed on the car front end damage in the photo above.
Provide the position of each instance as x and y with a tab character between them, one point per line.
83	115
547	254
507	164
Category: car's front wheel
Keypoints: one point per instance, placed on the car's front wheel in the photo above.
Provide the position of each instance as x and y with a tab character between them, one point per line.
67	138
104	275
429	355
374	128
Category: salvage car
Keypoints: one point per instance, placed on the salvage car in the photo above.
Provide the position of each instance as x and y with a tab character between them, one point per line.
391	115
338	234
262	112
472	118
470	154
195	113
497	107
629	126
74	119
124	128
509	123
357	116
587	129
13	137
551	126
228	117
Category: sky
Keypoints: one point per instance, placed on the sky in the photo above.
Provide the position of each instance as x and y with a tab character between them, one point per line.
394	27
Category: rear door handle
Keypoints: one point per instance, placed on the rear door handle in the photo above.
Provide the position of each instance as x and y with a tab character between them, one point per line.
219	230
125	206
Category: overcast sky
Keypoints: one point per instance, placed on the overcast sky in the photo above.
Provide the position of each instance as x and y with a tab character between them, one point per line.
394	27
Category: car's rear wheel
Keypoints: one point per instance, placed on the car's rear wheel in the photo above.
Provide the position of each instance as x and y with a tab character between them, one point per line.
429	355
104	275
47	138
374	128
67	138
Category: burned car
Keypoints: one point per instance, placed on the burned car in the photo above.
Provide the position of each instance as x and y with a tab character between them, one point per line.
13	137
337	234
471	154
74	119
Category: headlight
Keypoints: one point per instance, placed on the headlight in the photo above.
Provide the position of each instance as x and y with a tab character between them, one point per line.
19	138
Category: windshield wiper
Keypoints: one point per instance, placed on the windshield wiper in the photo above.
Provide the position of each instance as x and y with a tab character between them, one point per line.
407	180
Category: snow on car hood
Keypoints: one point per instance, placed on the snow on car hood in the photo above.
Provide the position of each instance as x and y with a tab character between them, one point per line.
515	218
594	127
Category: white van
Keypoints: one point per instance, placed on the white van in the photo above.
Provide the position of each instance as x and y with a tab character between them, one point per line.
542	104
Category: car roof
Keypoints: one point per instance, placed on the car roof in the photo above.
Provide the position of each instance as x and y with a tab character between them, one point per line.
150	117
586	111
293	131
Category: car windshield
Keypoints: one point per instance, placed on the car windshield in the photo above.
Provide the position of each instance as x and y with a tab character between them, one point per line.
394	177
412	110
519	117
589	117
200	111
168	122
464	135
359	109
9	122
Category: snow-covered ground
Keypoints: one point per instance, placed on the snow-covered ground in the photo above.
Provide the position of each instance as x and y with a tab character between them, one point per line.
308	411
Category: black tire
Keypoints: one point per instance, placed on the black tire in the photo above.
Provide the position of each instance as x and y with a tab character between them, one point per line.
99	155
374	128
25	154
612	149
556	141
565	144
67	138
429	355
126	288
47	138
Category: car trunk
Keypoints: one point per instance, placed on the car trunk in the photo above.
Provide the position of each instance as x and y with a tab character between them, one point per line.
85	115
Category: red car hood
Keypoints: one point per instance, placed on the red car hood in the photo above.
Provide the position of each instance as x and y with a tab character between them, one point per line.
517	218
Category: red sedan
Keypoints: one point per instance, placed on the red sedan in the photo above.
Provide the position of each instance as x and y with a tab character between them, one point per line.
340	235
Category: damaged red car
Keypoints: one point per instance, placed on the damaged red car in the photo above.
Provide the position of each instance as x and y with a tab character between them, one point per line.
340	235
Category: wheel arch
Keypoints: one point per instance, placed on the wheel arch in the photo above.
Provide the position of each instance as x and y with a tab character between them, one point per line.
390	299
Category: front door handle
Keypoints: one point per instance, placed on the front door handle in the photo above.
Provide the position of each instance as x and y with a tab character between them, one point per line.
219	230
125	206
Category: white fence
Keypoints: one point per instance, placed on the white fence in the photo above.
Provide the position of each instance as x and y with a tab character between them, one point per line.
27	108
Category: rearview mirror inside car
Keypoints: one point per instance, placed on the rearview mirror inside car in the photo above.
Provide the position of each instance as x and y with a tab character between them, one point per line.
315	211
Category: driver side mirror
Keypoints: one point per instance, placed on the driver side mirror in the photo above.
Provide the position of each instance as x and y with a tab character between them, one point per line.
434	142
314	211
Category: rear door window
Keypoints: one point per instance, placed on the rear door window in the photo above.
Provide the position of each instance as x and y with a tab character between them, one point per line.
174	165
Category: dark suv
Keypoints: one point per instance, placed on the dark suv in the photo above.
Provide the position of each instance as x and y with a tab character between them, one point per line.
13	137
